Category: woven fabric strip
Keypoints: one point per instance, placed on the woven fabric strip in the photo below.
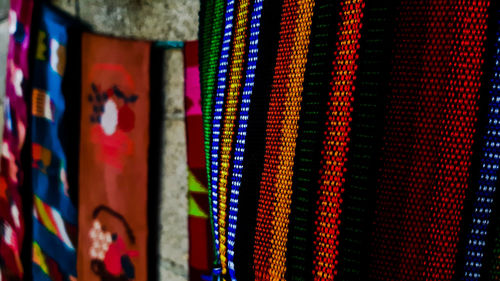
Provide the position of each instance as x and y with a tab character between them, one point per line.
281	133
14	132
217	120
371	86
337	140
113	166
253	154
309	141
210	50
200	234
210	34
55	216
228	123
204	36
237	162
431	119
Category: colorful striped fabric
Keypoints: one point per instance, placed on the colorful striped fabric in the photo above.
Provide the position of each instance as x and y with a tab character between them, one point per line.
244	107
228	122
14	133
276	186
54	215
216	124
347	140
311	125
253	153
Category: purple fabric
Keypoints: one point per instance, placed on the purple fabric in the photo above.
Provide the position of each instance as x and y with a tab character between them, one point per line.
11	223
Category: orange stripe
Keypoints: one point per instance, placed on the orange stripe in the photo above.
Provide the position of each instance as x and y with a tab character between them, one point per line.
281	134
282	204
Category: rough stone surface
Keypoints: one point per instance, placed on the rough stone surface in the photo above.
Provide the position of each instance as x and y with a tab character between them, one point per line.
173	216
4	8
174	84
147	19
4	41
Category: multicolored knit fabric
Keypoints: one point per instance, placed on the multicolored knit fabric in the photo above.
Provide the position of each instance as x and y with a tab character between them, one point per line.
231	112
352	132
228	123
55	217
14	133
254	126
431	116
210	33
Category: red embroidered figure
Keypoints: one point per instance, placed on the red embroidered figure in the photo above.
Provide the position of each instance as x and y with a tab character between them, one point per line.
111	260
113	118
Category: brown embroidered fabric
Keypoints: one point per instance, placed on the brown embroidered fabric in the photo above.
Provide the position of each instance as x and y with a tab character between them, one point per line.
114	159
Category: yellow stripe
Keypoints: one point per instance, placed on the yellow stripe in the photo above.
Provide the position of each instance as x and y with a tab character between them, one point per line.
39	259
46	221
235	73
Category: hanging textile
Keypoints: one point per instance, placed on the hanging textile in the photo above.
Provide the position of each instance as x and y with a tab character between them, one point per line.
54	215
337	140
366	128
210	34
200	235
347	140
113	159
248	155
14	132
216	131
281	132
211	19
430	121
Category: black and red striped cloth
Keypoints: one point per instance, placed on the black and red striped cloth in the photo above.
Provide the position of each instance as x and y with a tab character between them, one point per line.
362	137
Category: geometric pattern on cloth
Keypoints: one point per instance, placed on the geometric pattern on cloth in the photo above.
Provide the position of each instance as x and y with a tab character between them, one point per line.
200	234
54	215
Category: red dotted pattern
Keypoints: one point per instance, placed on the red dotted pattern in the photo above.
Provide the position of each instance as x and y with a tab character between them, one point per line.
336	140
264	225
430	123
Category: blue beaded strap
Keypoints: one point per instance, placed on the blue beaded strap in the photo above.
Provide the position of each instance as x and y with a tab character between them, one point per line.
242	131
217	117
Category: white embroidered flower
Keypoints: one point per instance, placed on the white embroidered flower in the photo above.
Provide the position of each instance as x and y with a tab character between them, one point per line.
109	119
